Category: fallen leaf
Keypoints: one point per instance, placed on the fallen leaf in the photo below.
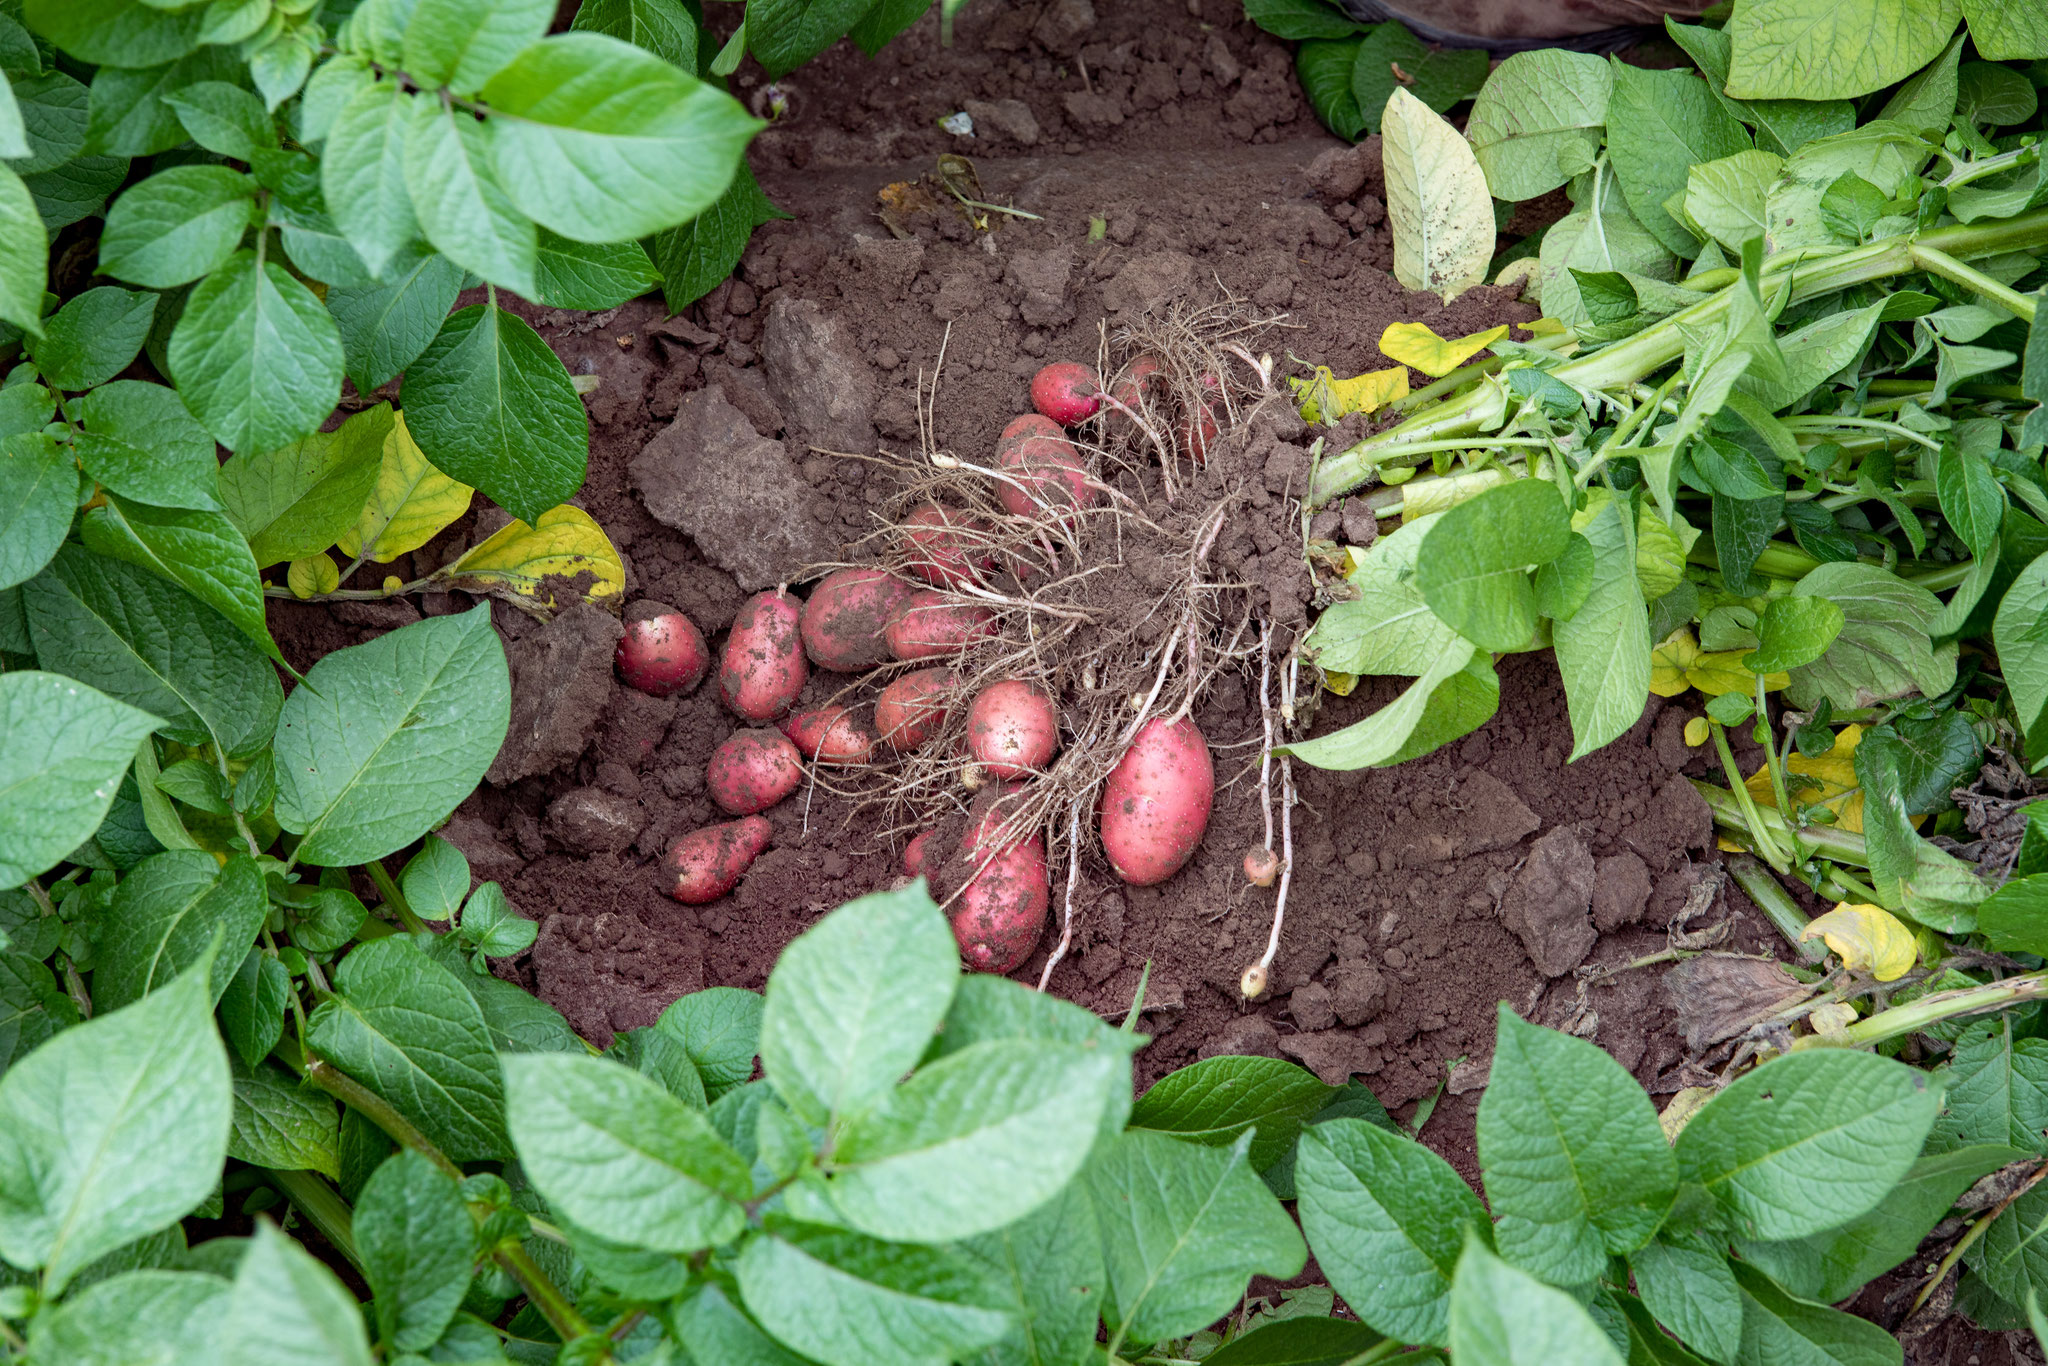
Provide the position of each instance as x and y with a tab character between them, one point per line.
1866	937
563	543
1438	205
1416	345
1325	398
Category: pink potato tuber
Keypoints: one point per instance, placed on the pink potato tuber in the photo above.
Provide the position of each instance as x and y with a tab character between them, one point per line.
1198	431
662	652
763	668
940	545
1261	866
930	624
914	853
708	863
1067	391
911	708
1000	913
751	770
844	621
1013	729
831	734
1155	805
1043	468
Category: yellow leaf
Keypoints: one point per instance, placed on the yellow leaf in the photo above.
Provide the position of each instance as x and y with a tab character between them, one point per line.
1660	554
1325	398
1696	731
1546	327
1832	1018
1669	662
1416	345
392	583
1834	773
312	575
1339	683
1678	663
1866	937
565	542
1438	206
411	504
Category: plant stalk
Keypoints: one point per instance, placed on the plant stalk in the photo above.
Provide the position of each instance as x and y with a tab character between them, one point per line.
1914	1016
1936	262
1842	846
394	898
324	1210
1770	897
377	1110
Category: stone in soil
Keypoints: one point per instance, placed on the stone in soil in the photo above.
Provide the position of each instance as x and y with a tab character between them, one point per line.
561	681
1621	891
590	820
1547	905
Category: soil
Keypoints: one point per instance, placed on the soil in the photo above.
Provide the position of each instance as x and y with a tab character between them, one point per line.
1171	160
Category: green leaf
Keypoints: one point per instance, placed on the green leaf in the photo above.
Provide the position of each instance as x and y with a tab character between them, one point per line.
1506	1317
383	739
1661	123
115	32
581	276
661	1058
285	1306
436	881
662	27
1439	77
1575	1164
252	1008
1792	632
67	747
1971	498
1927	101
1724	198
1693	1293
38	498
893	1304
784	34
1603	648
1454	697
611	1149
1386	1218
31	1006
1823	50
300	499
224	118
1049	1268
491	405
1778	1327
1537	121
386	324
24	254
1932	885
167	914
493	927
177	225
285	1125
694	257
201	552
255	355
113	1129
1387	628
971	1142
129	111
2010	1257
54	115
518	1021
404	1026
1296	1342
138	1318
600	141
461	45
1579	242
853	1001
2023	656
280	67
417	1243
1324	69
461	207
1295	20
1474	566
93	337
1809	1140
1213	1101
720	1029
711	1328
13	132
1883	650
1930	758
2007	29
362	172
139	441
1812	352
1997	1089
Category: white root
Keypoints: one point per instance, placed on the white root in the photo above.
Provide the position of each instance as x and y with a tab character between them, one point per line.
1073	878
1256	976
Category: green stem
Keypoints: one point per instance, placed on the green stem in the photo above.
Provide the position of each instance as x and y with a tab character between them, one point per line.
377	1110
1917	1015
1770	897
324	1210
394	898
1766	843
1909	387
554	1306
1379	1351
1842	846
1861	892
1940	263
1828	421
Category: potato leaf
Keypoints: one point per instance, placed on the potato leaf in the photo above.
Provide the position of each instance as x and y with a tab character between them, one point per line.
1416	345
564	542
1437	201
1867	939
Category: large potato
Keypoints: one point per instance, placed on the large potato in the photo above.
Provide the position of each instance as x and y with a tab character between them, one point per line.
930	624
752	770
1155	805
1012	729
1001	912
1044	469
847	618
708	863
832	734
911	708
763	668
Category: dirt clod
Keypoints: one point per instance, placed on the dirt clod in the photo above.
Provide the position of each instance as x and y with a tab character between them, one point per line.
561	681
1621	891
1548	902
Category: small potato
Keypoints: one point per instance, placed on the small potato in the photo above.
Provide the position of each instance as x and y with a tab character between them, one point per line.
763	667
1155	805
1132	390
1067	392
831	734
708	863
752	770
846	616
930	624
915	852
911	708
1197	432
942	545
1013	729
1002	910
662	652
1261	866
1044	469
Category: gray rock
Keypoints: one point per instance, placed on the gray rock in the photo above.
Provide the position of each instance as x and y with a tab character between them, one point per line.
1310	1006
561	681
1338	174
1547	904
1012	118
1357	991
1092	110
737	494
1621	889
817	377
591	820
1065	22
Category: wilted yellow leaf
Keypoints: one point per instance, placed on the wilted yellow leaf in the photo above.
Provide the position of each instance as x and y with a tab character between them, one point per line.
1438	206
1696	731
1325	398
1866	937
411	504
1660	553
1678	663
1545	327
1833	772
1339	683
1832	1018
565	542
313	575
1416	345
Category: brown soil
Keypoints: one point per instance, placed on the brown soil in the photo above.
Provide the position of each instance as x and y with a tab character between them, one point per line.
1167	151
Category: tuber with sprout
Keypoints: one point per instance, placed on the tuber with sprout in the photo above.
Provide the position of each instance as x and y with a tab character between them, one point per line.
831	734
1043	467
1155	805
847	615
1067	391
752	770
662	652
942	545
763	667
1013	729
912	707
1001	911
708	863
930	625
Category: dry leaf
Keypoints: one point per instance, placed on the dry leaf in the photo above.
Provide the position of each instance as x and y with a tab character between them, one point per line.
563	543
1679	663
1325	398
1437	201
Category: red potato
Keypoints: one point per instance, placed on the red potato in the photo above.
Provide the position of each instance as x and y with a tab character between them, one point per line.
752	770
941	547
930	624
1044	468
763	667
831	734
1013	729
911	708
708	863
1197	431
662	652
1067	391
848	612
915	852
1001	912
1261	866
1133	389
1155	805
